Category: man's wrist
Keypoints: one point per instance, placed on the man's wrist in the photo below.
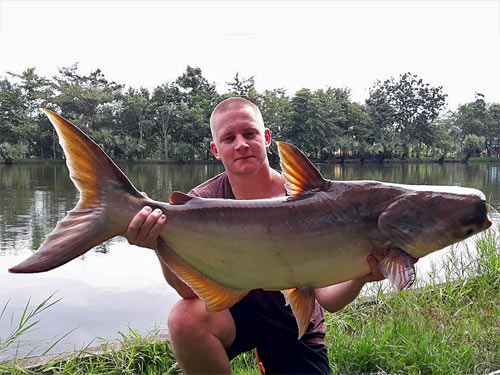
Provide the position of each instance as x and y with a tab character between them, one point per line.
360	281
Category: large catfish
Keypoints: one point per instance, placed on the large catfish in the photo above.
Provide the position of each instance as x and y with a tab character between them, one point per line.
317	236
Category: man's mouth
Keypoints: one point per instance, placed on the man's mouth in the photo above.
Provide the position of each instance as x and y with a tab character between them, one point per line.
244	157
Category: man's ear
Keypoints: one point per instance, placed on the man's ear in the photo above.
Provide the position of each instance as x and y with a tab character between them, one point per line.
267	136
213	147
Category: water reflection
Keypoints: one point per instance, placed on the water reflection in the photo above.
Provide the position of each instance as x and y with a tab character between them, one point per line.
117	285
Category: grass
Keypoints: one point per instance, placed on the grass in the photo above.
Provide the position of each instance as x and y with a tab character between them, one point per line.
448	325
450	328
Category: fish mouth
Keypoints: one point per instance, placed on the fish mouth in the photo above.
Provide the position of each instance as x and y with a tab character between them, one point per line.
487	223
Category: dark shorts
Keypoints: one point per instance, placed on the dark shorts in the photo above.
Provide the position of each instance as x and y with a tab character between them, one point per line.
279	351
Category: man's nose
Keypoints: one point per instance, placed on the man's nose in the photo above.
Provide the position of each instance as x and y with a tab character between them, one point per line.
241	143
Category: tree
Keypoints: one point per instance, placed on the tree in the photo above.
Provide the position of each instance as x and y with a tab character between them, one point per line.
381	122
276	111
414	106
306	128
494	128
195	131
136	116
36	93
480	119
445	135
198	98
12	111
244	88
166	112
91	101
473	145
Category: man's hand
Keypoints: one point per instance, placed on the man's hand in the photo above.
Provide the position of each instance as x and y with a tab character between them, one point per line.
145	227
335	297
143	230
375	274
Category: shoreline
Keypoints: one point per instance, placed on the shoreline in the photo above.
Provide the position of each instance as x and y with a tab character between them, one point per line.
334	161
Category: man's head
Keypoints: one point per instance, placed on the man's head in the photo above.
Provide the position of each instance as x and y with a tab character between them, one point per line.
239	136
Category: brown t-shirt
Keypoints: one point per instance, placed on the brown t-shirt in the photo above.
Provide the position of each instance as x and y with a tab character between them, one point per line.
269	305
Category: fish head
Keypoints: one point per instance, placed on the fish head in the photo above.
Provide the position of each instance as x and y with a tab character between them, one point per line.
421	222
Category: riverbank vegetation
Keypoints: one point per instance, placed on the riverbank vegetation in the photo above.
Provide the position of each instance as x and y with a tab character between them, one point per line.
402	118
449	324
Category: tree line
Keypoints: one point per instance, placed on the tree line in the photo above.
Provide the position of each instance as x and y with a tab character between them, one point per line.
401	118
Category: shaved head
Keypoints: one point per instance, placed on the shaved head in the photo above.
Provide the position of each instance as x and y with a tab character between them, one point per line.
233	104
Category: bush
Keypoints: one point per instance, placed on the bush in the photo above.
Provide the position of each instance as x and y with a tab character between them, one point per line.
11	152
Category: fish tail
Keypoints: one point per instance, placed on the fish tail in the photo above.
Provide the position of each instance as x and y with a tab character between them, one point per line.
103	189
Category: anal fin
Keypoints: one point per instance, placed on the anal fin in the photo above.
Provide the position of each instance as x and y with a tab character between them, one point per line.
217	297
397	267
302	303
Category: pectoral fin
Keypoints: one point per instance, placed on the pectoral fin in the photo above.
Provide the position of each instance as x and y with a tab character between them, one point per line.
397	266
217	297
302	303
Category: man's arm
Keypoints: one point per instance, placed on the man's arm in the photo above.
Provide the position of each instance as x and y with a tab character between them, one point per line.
143	231
335	297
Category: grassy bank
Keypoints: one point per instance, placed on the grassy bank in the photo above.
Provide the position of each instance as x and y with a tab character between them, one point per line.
450	328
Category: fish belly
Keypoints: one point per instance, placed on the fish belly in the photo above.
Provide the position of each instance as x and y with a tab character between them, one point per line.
245	262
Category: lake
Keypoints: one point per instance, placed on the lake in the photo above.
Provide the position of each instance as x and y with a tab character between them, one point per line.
116	285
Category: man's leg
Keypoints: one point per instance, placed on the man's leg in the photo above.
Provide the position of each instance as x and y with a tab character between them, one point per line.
199	339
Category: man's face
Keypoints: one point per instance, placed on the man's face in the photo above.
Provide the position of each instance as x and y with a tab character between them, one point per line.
240	141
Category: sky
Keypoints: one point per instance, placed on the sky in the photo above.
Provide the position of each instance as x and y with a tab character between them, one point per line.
282	44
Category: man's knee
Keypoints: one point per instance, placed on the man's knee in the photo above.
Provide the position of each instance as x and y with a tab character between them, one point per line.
189	321
187	318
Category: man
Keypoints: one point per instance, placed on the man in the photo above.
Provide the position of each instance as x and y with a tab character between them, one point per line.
205	342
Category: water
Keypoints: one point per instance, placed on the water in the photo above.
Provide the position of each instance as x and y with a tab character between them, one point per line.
116	285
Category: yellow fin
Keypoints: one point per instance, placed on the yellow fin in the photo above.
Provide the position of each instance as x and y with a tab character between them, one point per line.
102	187
216	296
302	302
89	166
179	198
79	232
299	173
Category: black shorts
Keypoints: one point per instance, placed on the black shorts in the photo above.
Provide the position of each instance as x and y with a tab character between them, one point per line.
279	350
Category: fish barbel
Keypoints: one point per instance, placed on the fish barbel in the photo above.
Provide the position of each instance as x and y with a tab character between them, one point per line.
318	235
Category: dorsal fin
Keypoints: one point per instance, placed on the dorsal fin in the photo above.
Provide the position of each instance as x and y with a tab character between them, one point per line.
179	198
299	173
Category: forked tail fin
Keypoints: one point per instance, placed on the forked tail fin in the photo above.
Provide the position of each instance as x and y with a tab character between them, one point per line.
100	183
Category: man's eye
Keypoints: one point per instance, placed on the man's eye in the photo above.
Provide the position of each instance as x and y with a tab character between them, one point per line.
249	135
